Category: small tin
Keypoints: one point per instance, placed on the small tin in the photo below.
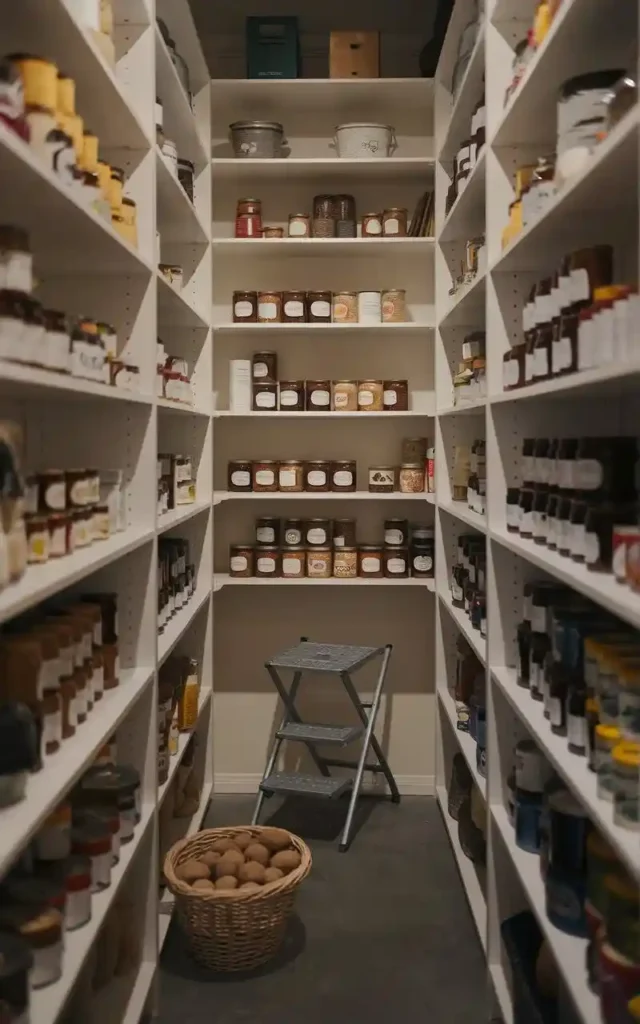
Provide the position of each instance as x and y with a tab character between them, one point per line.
345	307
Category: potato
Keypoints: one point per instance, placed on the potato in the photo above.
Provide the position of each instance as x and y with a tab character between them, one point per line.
257	852
251	872
191	870
287	860
222	845
203	884
275	840
273	874
227	882
235	856
243	839
211	858
226	866
250	887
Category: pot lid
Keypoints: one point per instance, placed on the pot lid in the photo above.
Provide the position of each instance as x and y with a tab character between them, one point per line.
364	124
273	125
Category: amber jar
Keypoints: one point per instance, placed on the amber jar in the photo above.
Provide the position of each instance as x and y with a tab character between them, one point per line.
343	476
412	478
292	533
269	307
396	563
394	222
587	269
382	479
370	561
52	493
245	307
372	225
264	475
294	563
265	396
319	307
344	395
370	396
291	476
318	395
396	533
317	475
319	563
317	533
294	307
239	475
268	532
241	560
268	563
344	533
292	395
345	563
396	395
264	367
344	306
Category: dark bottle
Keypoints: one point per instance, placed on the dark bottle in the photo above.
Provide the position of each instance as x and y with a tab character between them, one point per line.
539	514
576	717
524	637
526	512
587	269
561	356
541	346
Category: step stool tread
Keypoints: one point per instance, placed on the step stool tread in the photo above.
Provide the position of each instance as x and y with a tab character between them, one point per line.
312	733
324	657
305	785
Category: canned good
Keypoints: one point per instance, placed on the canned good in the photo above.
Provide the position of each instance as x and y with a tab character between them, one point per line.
394	306
369	307
345	307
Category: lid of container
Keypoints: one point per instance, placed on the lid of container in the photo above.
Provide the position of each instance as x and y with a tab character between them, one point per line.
363	124
108	778
609	733
627	755
238	126
15	956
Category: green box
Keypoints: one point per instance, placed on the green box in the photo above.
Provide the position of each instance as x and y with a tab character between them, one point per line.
273	49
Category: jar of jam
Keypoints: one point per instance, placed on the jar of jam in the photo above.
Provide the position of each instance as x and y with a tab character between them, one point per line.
372	225
317	475
317	533
344	395
294	563
268	563
265	475
370	396
318	395
345	563
396	395
422	553
370	561
292	533
264	367
344	307
292	395
319	563
394	222
344	533
239	475
382	479
396	562
291	476
268	532
343	476
319	307
293	307
248	226
245	307
270	310
396	533
241	560
265	396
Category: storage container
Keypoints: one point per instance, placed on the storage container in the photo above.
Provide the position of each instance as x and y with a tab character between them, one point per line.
361	141
258	140
273	49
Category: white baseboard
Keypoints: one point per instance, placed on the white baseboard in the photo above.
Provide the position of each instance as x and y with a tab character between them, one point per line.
246	784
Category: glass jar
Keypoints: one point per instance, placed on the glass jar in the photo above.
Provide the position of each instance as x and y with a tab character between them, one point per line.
294	561
412	478
319	307
245	307
271	232
292	395
344	533
422	554
626	776
382	479
396	533
318	395
414	449
394	222
241	560
294	307
370	396
299	225
372	225
317	533
396	562
239	473
343	476
291	476
319	563
292	533
370	561
344	306
607	738
268	563
394	306
245	207
345	563
268	532
396	395
270	309
317	475
264	475
344	395
265	396
248	225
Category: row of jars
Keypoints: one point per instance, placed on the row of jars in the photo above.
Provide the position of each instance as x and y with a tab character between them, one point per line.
330	396
50	890
388	306
575	320
322	475
173	379
333	216
178	698
39	105
468	580
469	476
579	498
177	578
176	482
470	382
468	154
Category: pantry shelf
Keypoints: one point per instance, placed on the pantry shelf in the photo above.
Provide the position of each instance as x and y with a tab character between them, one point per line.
220	496
466	307
471	883
181	514
409	327
368	247
179	119
175	309
614	380
181	408
463	622
224	580
178	625
465	741
25	380
465	101
475	408
178	219
335	415
280	95
459	510
385	168
467	215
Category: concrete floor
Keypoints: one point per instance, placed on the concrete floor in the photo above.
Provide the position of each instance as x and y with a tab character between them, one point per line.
382	933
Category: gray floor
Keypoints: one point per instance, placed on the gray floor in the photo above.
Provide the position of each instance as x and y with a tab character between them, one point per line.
382	933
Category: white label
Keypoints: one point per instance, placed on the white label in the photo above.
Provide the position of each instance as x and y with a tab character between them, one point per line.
260	370
317	478
580	291
422	563
266	400
588	474
374	227
239	563
100	871
587	344
365	398
343	478
528	366
265	477
538	619
540	363
291	567
241	478
297	229
47	965
266	565
293	537
243	308
561	355
288	398
320	398
555	711
267	311
316	535
619	562
293	308
265	535
513	516
321	308
391	226
78	909
577	731
390	398
526	523
393	538
370	564
54	497
396	565
576	538
286	481
591	548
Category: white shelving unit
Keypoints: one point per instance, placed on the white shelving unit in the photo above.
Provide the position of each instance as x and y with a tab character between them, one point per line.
599	205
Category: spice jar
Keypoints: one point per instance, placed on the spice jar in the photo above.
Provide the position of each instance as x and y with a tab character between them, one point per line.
292	395
318	395
264	475
319	307
394	221
422	553
245	307
396	395
370	396
370	562
319	563
269	309
241	560
94	841
291	476
382	479
394	306
293	563
265	396
317	475
396	562
323	227
345	307
396	533
345	563
344	395
317	533
292	533
343	476
293	307
299	225
268	563
344	533
412	478
372	225
239	475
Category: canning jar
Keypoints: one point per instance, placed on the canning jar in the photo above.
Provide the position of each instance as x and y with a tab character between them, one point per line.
245	207
345	307
421	553
370	562
626	785
265	396
268	562
317	533
372	225
299	225
294	563
265	475
317	475
396	562
344	394
264	366
292	395
319	562
369	307
343	475
245	307
412	478
269	308
345	563
241	560
268	531
344	533
248	225
370	396
292	533
239	475
382	479
396	533
293	307
394	221
607	738
291	476
319	307
396	395
394	306
318	395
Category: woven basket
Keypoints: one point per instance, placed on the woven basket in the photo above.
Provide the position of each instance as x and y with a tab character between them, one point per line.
234	930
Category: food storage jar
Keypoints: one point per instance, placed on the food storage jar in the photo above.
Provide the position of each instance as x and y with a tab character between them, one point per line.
396	533
370	562
272	232
318	395
319	307
264	366
319	562
265	396
344	395
239	475
323	227
382	479
394	222
257	140
245	307
344	533
414	449
345	307
268	562
292	395
293	307
294	563
269	308
372	225
394	306
94	841
396	395
292	533
343	476
41	927
268	531
359	140
396	562
345	563
369	307
299	225
317	475
370	396
412	478
241	560
317	533
186	172
265	475
291	476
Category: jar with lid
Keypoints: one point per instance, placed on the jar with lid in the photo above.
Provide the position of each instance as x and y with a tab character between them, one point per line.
245	307
343	476
292	395
239	475
317	475
268	531
394	306
382	479
270	309
422	553
264	475
268	563
372	225
94	840
412	478
370	561
582	272
344	395
265	396
319	562
396	562
344	307
344	533
294	563
345	563
264	367
292	533
299	225
248	225
396	395
582	119
291	476
370	396
396	533
369	307
319	307
272	232
318	395
317	533
394	222
41	928
294	307
626	775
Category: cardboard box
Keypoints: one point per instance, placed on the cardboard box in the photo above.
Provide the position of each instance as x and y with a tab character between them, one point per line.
273	49
354	55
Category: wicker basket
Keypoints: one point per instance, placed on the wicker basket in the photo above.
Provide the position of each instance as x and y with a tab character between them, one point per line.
234	930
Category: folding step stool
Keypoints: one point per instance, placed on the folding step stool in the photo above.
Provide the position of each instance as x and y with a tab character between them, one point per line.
341	660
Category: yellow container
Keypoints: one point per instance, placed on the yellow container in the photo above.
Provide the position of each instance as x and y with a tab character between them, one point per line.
124	230
116	183
130	217
40	82
89	160
73	126
66	95
542	22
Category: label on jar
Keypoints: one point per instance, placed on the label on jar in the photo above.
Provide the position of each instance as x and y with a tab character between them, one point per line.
391	226
591	548
291	567
390	398
340	399
343	478
267	311
580	290
294	308
265	477
239	563
555	711
365	398
373	227
54	497
540	363
619	561
577	731
266	400
297	229
260	370
538	619
15	272
317	478
317	535
422	563
287	481
266	534
293	537
370	564
266	564
288	398
576	539
381	477
396	565
588	474
320	398
393	538
241	478
243	308
321	308
317	566
100	871
513	517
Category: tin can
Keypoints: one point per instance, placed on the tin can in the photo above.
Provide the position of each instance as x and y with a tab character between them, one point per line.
394	306
345	307
369	308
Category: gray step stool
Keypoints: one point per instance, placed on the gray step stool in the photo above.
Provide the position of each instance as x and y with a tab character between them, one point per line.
340	660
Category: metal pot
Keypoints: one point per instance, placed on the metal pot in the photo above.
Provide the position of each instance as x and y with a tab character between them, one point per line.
257	140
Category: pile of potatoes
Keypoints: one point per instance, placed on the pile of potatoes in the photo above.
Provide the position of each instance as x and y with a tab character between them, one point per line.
243	863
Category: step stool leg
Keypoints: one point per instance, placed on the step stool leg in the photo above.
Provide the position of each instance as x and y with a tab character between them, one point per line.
271	763
375	745
277	743
288	698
